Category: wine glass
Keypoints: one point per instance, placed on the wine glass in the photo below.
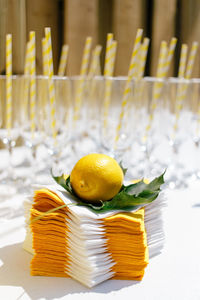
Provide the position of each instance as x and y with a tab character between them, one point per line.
10	135
148	137
192	131
31	130
58	147
117	123
176	120
93	102
84	97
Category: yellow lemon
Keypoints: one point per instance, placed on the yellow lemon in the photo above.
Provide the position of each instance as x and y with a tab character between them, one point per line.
96	177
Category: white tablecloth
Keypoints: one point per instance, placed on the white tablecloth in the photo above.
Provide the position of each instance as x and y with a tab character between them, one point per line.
174	274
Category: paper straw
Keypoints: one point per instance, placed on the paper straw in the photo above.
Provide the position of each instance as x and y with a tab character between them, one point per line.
131	74
49	51
98	72
108	54
133	64
51	86
182	87
108	83
44	57
83	73
191	60
170	54
162	59
32	81
8	82
27	60
44	87
158	85
63	60
94	70
113	57
143	57
182	63
86	56
26	79
95	60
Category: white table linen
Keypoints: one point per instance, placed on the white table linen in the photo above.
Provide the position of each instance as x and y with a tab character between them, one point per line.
174	274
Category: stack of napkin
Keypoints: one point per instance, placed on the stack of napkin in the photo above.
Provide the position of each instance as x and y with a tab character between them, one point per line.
88	246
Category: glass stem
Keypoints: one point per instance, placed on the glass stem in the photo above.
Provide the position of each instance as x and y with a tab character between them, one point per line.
34	157
10	152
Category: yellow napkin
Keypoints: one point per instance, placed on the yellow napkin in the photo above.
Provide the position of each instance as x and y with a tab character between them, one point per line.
87	246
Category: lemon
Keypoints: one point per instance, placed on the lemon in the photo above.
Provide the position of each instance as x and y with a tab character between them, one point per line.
96	177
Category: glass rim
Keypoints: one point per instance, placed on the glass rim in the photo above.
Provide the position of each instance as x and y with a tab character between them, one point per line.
113	78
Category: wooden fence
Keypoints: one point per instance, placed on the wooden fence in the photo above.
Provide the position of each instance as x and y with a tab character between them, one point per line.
72	20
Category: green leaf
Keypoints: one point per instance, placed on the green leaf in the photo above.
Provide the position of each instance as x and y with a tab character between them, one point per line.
124	170
129	197
135	188
156	183
65	183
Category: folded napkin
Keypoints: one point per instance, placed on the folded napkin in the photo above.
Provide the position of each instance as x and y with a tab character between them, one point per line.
90	247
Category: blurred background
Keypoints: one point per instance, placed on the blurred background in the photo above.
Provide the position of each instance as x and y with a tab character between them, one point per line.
72	21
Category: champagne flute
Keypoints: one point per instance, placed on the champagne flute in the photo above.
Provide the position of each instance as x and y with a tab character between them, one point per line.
32	137
192	141
178	117
84	110
148	136
116	141
10	136
58	147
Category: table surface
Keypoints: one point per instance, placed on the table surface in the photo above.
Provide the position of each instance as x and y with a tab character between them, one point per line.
174	274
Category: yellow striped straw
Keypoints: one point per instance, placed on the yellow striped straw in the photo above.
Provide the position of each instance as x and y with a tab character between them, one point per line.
32	81
26	79
44	57
95	60
141	62
63	60
83	73
8	82
170	54
191	60
182	87
108	83
143	57
51	86
86	56
93	71
182	63
44	90
131	73
157	88
113	57
27	60
108	54
98	72
133	64
162	59
49	51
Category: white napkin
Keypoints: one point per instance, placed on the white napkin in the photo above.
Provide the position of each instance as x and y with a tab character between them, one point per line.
90	263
